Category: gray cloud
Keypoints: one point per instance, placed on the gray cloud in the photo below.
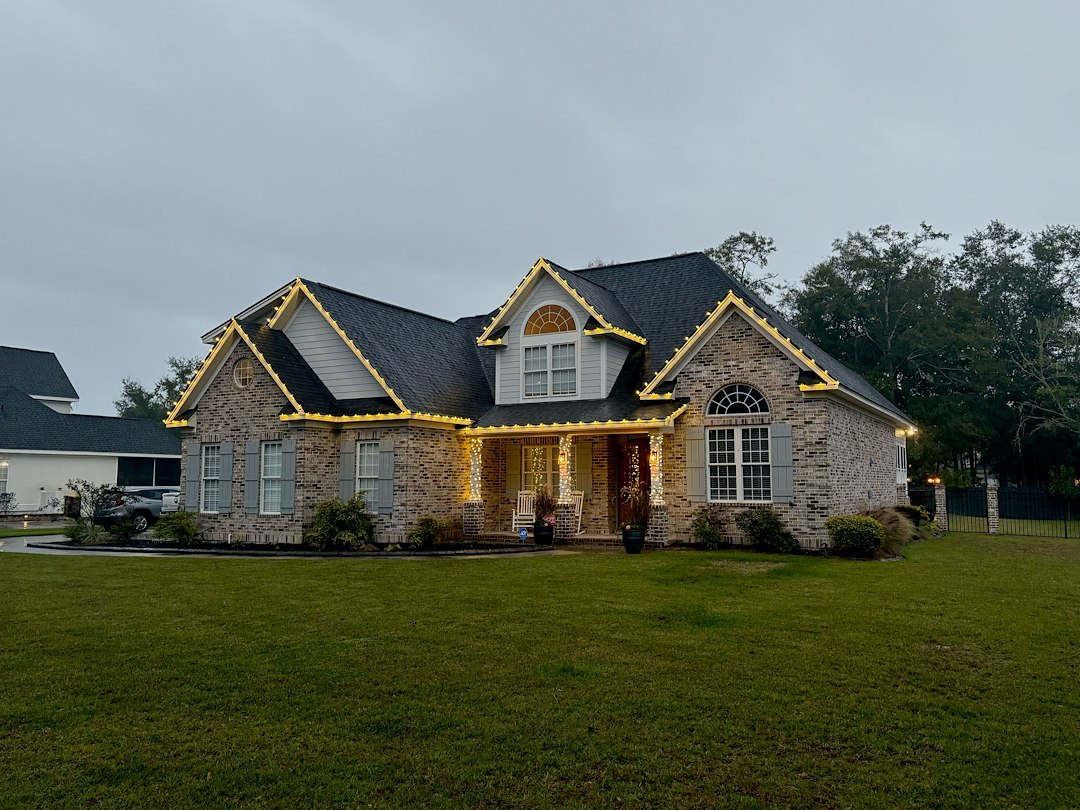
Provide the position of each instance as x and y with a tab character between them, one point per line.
162	165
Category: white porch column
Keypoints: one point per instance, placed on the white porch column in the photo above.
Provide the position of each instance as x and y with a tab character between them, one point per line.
566	486
476	455
656	469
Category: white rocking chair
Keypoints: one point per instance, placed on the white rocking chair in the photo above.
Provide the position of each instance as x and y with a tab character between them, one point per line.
525	513
578	500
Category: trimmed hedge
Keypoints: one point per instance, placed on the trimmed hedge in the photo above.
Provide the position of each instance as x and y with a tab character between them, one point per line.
341	525
762	525
855	535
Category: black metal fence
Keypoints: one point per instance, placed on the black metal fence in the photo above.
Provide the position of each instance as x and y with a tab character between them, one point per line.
924	497
1034	512
966	508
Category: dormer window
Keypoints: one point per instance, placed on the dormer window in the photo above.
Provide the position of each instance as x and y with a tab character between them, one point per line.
549	354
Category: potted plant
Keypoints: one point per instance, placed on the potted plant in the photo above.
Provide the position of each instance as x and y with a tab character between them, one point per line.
635	500
544	526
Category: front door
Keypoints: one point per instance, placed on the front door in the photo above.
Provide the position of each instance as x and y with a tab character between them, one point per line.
633	468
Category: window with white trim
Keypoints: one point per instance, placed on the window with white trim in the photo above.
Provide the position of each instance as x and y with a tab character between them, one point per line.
901	461
210	478
540	468
739	464
270	479
3	477
367	471
555	363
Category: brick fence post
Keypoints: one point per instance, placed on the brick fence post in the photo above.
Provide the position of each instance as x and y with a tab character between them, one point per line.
565	522
940	508
993	515
473	518
656	535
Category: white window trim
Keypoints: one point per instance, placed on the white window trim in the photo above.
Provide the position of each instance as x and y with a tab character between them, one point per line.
369	502
263	478
901	462
4	469
551	341
739	478
203	479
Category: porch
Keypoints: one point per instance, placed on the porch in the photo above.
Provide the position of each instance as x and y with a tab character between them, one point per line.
592	466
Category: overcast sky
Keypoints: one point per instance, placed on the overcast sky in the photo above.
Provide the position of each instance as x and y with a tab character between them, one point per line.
163	165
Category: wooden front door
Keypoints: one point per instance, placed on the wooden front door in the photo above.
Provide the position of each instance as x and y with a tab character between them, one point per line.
633	467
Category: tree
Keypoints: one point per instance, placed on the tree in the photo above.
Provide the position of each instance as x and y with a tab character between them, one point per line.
737	253
138	402
94	498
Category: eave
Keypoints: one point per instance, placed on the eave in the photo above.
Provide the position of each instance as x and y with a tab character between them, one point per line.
608	426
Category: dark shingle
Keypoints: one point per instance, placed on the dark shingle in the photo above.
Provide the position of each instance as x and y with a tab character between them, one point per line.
430	363
603	300
26	424
37	373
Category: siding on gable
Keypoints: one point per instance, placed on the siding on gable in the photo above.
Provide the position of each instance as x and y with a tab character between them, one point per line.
616	356
508	360
329	357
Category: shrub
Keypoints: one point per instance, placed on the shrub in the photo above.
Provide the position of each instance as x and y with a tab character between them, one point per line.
180	527
708	526
123	530
762	525
426	532
925	527
899	530
85	533
544	508
341	525
855	535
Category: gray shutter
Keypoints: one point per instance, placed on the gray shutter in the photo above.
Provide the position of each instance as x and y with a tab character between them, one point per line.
583	475
288	476
225	502
386	476
194	474
251	477
783	487
347	469
695	463
513	470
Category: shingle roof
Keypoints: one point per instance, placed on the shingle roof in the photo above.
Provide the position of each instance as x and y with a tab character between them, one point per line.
26	424
603	300
670	297
430	363
303	383
35	372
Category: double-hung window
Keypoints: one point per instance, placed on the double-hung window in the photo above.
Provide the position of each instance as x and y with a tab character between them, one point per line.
210	478
367	471
3	477
738	462
901	461
270	479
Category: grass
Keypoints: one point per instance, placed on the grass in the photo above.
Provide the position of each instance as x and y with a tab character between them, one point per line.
725	679
37	531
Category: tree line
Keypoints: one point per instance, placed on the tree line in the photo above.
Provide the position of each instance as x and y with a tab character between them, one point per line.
980	344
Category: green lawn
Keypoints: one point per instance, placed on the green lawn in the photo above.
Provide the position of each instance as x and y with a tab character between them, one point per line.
35	531
675	679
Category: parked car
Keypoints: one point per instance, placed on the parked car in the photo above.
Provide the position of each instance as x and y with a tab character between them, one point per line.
170	502
142	506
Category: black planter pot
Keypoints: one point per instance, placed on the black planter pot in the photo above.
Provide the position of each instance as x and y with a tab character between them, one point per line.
543	535
633	540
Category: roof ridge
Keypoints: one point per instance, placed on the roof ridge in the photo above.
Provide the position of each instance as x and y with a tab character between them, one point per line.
368	298
639	261
22	349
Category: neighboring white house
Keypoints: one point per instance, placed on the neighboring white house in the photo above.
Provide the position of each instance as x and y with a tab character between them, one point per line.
43	443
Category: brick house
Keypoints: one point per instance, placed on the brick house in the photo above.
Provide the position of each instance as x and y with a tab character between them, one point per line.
665	372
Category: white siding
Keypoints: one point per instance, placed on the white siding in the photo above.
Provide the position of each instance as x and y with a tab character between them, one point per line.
37	477
508	360
328	355
617	351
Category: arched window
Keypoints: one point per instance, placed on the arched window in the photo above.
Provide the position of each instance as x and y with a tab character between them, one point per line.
739	458
549	367
549	319
737	399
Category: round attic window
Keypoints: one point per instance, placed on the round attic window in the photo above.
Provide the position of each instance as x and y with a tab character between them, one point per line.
243	372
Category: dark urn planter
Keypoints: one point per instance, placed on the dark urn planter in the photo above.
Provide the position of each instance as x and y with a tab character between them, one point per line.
633	540
544	535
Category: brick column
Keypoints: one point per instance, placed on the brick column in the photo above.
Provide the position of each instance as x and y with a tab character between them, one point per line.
941	510
472	518
656	535
566	486
993	516
564	521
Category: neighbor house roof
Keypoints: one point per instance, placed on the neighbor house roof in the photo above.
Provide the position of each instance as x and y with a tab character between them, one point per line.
26	424
36	372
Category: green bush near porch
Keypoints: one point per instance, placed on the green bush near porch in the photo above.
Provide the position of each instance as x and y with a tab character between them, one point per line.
724	679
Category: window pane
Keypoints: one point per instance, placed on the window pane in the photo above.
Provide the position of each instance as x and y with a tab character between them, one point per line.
755	445
563	355
721	465
211	461
210	495
535	383
367	459
536	358
369	488
757	482
271	496
271	460
564	382
134	472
